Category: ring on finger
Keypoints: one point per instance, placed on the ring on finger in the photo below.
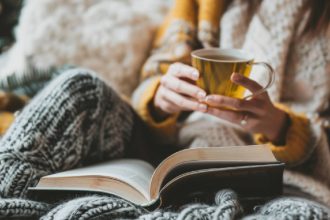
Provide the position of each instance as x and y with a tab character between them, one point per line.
244	119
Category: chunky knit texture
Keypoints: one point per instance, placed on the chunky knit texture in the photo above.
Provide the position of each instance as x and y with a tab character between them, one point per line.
18	88
291	208
76	119
20	208
31	81
226	206
94	207
37	144
101	207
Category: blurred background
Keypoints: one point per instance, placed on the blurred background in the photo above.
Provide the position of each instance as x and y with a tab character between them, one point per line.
111	37
9	14
40	39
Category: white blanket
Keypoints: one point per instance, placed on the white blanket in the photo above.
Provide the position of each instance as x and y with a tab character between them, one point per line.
112	37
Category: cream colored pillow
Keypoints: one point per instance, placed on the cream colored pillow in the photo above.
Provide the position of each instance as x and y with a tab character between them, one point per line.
112	37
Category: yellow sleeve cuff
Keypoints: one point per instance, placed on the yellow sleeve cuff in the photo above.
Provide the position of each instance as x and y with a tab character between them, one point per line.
6	119
296	148
142	99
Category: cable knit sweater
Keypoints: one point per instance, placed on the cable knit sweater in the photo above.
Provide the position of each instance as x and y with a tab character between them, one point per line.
272	33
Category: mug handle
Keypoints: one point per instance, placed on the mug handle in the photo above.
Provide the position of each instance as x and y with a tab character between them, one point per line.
271	78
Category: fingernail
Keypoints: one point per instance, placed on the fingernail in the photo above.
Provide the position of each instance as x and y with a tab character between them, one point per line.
195	74
209	99
202	107
201	95
237	76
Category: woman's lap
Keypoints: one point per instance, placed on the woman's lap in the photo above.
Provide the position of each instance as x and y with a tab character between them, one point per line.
77	119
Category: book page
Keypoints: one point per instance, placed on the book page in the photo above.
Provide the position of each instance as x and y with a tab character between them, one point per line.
136	173
247	181
202	158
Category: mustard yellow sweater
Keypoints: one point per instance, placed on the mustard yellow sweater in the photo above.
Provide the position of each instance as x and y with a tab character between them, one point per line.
193	24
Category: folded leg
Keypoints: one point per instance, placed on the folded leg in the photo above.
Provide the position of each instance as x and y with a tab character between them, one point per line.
76	119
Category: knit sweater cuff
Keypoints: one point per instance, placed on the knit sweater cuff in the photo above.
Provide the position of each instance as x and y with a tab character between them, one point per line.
142	99
296	147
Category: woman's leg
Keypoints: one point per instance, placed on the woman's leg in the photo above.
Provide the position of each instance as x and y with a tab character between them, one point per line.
76	119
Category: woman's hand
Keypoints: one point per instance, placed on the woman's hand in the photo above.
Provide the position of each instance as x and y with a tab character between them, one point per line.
177	91
257	115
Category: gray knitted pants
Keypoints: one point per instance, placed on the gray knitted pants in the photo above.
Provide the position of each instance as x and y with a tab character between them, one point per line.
77	119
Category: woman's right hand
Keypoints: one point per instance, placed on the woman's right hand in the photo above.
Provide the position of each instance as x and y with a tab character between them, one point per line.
178	91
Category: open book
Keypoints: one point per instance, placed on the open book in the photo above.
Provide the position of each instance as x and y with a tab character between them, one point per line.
252	171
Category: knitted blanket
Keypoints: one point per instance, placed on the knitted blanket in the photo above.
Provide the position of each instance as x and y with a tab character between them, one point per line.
23	163
226	206
47	15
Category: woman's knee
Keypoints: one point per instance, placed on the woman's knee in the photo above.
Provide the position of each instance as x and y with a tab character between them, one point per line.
78	78
79	83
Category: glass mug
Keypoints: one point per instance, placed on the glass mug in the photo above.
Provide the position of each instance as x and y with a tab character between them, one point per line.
216	66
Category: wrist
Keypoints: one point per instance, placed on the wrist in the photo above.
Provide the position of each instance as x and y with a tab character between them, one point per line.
157	113
277	134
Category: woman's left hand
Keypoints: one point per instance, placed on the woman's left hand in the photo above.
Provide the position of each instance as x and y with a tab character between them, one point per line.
256	115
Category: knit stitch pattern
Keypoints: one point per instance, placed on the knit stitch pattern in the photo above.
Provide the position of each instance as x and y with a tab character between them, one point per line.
291	208
99	207
19	208
31	81
76	120
226	206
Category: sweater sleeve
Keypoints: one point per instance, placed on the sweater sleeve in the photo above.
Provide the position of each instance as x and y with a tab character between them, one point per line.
298	138
142	103
189	25
173	42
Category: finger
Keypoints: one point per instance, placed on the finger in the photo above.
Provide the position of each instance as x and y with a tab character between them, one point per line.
168	107
183	102
182	70
246	120
234	103
163	97
183	87
251	85
228	115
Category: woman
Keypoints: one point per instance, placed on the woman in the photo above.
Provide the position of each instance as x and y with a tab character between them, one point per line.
292	118
77	119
